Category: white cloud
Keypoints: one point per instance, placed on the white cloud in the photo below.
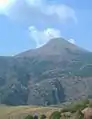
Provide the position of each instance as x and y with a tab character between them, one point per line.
38	8
72	41
42	37
63	12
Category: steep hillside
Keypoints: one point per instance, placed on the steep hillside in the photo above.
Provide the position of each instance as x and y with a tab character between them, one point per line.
56	72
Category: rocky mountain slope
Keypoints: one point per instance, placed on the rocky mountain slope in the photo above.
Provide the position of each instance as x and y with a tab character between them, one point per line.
56	72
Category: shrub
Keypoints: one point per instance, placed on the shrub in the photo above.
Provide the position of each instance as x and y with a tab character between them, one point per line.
43	116
79	105
29	117
90	104
55	115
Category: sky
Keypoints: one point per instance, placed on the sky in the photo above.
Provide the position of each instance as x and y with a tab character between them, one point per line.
28	24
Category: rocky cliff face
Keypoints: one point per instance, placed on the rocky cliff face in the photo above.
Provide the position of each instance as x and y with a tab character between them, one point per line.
56	72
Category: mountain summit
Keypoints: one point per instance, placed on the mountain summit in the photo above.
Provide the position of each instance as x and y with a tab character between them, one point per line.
56	46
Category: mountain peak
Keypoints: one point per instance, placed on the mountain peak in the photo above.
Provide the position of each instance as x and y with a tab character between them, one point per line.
59	42
55	46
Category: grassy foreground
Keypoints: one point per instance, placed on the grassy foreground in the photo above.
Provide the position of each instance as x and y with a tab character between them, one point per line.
19	112
68	111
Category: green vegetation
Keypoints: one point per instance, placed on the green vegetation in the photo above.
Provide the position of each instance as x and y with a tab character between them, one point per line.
55	115
78	105
43	116
29	117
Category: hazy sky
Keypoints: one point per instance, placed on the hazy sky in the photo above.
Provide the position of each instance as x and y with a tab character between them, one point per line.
26	24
